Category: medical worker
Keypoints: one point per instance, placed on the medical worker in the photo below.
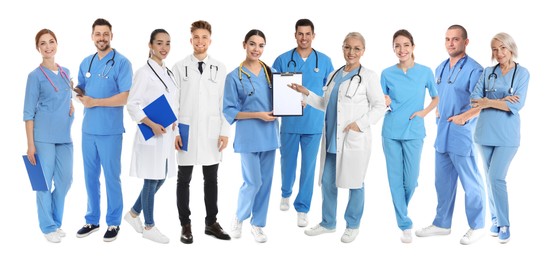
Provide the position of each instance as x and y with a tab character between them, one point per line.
201	80
352	101
404	85
455	156
247	102
500	94
302	131
154	159
105	78
48	115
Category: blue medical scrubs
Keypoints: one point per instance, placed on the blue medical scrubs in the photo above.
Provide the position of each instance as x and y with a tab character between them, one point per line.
402	138
302	131
455	152
49	109
256	141
102	136
498	134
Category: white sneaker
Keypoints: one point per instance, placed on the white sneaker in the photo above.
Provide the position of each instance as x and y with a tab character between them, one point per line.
258	234
317	230
406	236
349	235
285	204
302	219
53	237
60	232
236	228
472	236
432	231
155	235
135	222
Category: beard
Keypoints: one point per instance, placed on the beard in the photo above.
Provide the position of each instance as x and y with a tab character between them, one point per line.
102	48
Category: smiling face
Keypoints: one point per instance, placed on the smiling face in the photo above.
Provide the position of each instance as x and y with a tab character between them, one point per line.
254	47
47	46
403	48
501	53
101	36
304	37
200	40
160	46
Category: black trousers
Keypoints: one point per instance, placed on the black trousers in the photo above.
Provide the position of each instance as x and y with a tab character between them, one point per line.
210	193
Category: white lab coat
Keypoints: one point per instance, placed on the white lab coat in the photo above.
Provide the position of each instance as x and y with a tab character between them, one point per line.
201	107
353	149
149	157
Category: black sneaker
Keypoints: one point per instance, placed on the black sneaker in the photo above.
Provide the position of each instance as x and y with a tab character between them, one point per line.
87	230
111	233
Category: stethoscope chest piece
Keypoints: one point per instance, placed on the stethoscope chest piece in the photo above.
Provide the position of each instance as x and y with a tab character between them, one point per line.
316	70
87	75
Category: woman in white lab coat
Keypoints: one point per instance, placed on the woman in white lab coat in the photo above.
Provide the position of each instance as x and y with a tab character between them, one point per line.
154	159
352	101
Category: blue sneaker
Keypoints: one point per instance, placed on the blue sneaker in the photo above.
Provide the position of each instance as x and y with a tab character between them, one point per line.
494	230
504	234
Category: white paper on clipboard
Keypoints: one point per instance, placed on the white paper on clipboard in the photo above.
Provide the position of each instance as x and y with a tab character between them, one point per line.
286	101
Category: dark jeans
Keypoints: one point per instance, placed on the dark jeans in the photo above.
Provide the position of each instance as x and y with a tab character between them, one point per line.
210	193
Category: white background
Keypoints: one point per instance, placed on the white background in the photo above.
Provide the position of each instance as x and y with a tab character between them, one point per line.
528	179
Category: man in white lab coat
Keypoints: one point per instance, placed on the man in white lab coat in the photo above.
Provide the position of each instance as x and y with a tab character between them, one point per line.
201	80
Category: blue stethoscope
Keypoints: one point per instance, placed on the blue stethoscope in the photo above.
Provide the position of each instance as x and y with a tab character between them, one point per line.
358	75
494	76
242	71
211	67
316	69
449	81
107	66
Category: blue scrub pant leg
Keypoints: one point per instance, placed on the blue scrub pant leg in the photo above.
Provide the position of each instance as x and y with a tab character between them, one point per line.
309	144
253	198
103	151
497	160
403	165
355	208
57	165
450	167
329	192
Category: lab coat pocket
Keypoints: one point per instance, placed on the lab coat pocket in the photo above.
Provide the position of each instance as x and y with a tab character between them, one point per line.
355	140
214	127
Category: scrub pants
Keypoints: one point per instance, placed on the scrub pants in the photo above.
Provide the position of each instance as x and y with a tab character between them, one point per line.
449	168
497	160
210	193
288	161
403	164
57	165
103	152
253	198
356	200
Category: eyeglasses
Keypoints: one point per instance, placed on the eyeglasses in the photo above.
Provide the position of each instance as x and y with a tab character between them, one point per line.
347	48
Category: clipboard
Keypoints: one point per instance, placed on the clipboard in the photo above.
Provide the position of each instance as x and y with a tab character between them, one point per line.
286	101
160	112
36	175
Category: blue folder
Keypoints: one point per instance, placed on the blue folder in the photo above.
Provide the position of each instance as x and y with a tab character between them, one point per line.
36	175
184	129
160	112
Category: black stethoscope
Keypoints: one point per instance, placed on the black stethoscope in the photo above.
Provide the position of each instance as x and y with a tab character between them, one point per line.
449	81
358	74
494	76
242	71
104	72
211	67
169	72
316	69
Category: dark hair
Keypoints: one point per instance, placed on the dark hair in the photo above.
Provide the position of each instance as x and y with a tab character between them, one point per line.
100	22
200	24
305	22
156	32
464	33
259	33
406	34
43	32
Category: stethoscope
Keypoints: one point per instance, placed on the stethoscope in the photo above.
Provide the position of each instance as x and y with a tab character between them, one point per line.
169	72
494	76
62	74
107	66
316	69
211	67
358	75
449	81
242	71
